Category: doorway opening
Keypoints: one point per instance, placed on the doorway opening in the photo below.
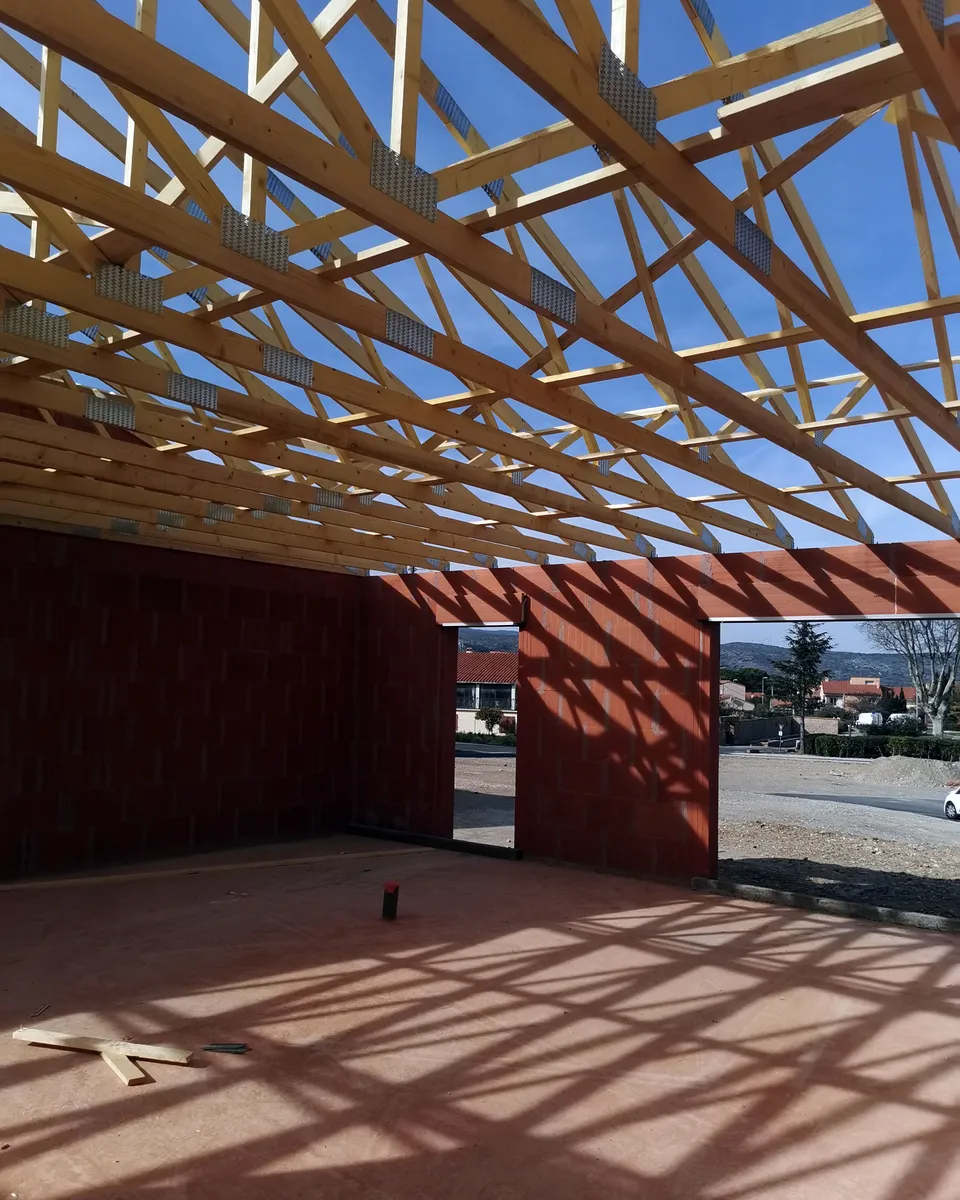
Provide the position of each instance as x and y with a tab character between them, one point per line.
484	799
862	814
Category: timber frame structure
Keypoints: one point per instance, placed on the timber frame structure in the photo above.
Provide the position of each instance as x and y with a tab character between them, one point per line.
206	335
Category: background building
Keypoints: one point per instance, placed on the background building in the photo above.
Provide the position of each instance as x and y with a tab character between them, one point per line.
485	680
734	695
849	693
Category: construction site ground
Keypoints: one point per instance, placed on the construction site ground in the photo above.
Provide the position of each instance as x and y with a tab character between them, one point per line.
869	832
520	1031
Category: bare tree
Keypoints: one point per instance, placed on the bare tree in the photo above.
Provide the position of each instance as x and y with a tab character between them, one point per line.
932	653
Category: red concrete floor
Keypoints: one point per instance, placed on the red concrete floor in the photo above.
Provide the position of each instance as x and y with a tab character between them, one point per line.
521	1031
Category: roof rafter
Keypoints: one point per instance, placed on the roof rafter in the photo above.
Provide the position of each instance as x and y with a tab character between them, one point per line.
309	393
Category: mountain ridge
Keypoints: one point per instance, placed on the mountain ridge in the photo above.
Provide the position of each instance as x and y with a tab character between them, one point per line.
841	664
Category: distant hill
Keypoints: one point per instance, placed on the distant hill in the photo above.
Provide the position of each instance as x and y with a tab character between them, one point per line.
842	664
489	639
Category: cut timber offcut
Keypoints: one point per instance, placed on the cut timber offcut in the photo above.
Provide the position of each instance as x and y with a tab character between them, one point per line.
125	1068
116	1054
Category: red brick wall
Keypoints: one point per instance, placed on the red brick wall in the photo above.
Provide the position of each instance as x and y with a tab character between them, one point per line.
614	731
155	702
919	579
406	714
617	711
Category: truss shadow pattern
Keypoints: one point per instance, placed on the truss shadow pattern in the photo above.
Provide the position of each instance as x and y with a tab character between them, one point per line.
622	1039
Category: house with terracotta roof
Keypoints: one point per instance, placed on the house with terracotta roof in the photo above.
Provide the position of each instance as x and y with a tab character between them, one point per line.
485	679
847	693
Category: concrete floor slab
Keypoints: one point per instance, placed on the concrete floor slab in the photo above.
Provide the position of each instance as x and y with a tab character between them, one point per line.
521	1031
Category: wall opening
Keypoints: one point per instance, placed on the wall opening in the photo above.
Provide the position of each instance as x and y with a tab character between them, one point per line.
863	815
484	800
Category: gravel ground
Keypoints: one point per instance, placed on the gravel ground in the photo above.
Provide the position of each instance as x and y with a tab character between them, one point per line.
870	832
896	799
793	858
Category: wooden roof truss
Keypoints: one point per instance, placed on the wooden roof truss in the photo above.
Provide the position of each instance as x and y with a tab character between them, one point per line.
208	334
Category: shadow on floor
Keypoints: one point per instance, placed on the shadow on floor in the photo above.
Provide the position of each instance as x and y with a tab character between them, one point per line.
477	810
861	885
519	1032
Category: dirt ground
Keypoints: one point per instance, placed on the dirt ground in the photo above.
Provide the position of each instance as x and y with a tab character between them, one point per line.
869	832
483	801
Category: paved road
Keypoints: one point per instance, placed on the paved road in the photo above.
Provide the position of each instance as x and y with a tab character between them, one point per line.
925	806
482	750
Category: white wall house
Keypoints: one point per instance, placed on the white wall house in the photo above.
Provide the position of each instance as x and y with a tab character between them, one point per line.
485	680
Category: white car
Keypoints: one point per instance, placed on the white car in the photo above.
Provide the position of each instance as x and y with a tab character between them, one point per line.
951	806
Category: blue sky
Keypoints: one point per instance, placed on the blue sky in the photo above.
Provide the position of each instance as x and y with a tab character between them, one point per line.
846	635
856	195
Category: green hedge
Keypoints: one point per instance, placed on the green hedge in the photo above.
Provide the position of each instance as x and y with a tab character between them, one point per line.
832	745
491	739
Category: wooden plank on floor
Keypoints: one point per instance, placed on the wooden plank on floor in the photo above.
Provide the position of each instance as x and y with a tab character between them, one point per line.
125	1068
72	1041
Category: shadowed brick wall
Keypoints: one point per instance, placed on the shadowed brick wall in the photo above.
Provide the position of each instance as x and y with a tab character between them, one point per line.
617	709
616	762
406	713
155	702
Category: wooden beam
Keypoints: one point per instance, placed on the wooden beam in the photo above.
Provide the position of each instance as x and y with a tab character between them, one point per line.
540	58
583	26
259	59
319	67
183	233
406	79
152	124
489	449
17	56
253	525
521	451
207	100
625	32
925	124
495	521
544	61
292	423
71	1041
557	196
931	281
934	59
47	129
83	516
495	525
772	180
882	318
868	79
43	445
135	160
